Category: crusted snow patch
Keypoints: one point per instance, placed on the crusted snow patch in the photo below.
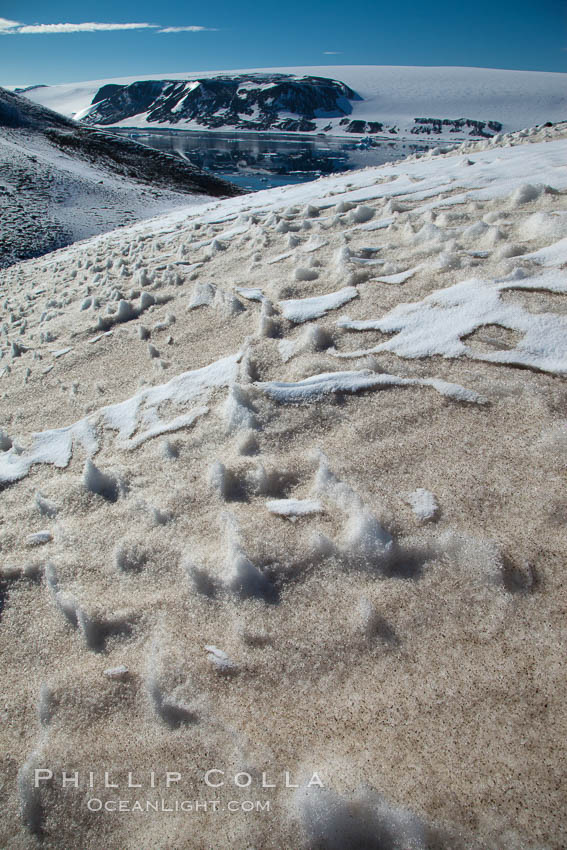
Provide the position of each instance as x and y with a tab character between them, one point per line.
39	538
251	294
117	673
140	413
61	352
159	427
424	504
401	277
315	387
52	447
440	323
220	660
279	258
300	310
294	507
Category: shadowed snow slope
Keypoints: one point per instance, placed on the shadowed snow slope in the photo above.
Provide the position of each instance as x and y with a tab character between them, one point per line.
61	181
322	553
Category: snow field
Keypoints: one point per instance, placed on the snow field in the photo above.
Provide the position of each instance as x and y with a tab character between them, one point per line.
392	95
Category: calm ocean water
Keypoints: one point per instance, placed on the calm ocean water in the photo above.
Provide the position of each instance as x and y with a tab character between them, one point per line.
263	160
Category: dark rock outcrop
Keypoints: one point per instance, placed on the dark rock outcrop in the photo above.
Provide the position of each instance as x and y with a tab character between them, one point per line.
477	129
249	101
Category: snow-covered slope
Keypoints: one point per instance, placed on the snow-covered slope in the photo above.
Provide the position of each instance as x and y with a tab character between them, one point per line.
60	182
284	499
392	96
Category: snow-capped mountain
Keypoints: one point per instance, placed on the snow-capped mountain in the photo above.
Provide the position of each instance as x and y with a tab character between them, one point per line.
250	102
401	102
61	181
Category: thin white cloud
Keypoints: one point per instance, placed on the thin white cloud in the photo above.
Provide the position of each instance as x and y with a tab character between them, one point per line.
49	29
189	29
332	53
5	24
8	27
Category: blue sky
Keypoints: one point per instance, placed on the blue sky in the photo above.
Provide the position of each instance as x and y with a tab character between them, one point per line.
145	37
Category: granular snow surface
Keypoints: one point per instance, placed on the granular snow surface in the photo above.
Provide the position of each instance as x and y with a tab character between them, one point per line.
283	496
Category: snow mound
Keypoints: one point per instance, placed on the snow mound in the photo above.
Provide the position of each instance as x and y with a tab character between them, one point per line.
424	504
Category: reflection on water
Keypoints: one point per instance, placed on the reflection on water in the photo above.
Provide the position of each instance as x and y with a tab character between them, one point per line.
261	161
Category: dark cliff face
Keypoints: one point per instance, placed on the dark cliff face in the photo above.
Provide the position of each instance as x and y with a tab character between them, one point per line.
252	101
